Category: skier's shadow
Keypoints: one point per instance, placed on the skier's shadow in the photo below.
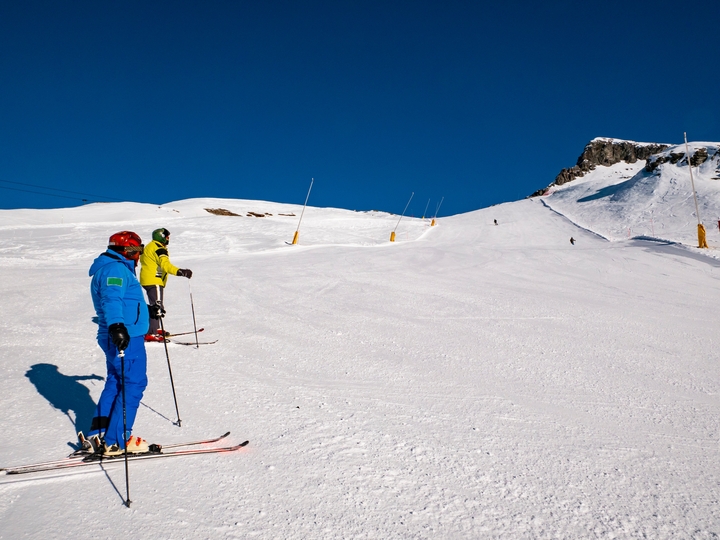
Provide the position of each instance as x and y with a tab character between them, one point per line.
65	393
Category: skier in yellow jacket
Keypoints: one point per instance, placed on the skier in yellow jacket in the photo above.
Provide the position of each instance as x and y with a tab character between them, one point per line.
155	267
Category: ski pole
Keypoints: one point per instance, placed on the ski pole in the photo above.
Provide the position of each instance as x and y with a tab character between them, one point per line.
127	470
192	306
172	383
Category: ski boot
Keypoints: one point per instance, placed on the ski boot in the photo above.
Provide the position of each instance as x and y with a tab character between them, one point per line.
135	445
88	445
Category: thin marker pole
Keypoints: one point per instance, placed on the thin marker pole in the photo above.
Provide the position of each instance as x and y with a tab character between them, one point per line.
297	231
392	234
692	182
406	207
438	207
192	306
426	207
702	238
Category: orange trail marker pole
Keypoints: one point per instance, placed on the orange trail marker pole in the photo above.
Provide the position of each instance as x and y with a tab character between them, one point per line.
702	242
297	231
392	234
437	209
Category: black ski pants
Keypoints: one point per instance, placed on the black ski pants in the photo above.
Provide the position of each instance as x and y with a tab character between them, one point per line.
156	295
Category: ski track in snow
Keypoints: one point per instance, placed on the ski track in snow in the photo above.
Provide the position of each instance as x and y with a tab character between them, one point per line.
468	381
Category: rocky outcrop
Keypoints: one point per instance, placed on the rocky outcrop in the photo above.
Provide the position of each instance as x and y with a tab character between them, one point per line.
698	158
607	152
604	152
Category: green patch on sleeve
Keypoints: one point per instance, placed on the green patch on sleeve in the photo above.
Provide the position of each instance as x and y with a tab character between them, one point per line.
117	281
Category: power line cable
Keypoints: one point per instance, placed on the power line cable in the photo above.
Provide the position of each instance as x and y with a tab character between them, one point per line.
48	194
58	189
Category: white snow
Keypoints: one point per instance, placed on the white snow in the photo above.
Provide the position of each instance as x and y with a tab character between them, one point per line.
466	381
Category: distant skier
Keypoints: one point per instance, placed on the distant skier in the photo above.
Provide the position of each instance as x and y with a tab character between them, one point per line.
155	267
495	220
572	240
122	322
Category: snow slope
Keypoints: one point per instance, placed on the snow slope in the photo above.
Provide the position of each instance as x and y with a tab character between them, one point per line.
625	201
467	381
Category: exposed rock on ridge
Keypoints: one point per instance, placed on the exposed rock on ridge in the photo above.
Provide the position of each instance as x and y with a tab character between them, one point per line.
605	152
698	158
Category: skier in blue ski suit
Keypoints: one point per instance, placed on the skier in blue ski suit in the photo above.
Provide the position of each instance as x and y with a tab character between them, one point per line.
123	321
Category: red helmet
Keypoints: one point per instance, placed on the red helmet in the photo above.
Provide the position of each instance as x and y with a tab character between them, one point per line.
128	243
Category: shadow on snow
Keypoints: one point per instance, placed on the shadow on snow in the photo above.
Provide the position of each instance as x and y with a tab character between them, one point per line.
65	393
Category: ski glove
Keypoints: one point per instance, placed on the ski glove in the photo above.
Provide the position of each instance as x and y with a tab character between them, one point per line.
119	335
184	273
155	311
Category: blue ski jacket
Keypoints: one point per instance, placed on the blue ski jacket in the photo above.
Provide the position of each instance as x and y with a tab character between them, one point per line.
117	295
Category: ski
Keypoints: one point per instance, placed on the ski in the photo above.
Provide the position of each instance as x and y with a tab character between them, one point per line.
195	443
121	458
184	333
79	455
192	342
75	456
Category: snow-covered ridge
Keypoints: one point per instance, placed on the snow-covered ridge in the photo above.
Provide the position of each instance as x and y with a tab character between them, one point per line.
606	152
254	226
700	152
616	195
651	197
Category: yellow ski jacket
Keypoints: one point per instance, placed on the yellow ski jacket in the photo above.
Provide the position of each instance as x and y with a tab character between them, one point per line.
155	265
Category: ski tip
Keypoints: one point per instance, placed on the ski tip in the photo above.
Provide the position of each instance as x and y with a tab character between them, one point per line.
243	444
224	435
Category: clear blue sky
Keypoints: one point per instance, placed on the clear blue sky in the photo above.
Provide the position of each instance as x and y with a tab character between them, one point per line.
479	102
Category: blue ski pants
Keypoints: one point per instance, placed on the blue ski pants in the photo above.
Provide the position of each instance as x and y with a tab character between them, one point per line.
109	413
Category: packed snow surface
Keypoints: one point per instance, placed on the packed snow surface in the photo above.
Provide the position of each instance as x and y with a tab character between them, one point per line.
470	380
